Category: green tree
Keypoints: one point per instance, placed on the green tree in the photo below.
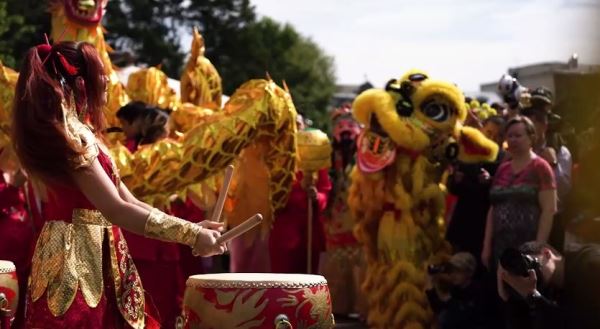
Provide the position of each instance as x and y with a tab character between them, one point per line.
240	46
149	30
281	51
22	25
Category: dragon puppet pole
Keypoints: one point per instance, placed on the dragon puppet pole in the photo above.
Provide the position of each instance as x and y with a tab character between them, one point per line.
309	227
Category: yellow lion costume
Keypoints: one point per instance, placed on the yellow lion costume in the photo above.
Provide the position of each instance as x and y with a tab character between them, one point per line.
396	195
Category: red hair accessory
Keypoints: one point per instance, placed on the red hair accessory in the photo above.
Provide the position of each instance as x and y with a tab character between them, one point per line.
45	50
71	70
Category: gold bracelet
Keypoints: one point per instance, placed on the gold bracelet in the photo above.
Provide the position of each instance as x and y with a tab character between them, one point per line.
170	228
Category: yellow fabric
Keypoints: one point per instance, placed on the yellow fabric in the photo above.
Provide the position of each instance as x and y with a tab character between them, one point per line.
399	210
200	81
259	109
151	87
8	82
314	150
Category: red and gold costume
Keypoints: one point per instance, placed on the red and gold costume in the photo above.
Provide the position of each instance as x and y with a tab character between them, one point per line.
82	273
288	237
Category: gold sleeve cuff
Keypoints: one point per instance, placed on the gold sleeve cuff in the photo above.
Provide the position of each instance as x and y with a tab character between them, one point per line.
170	228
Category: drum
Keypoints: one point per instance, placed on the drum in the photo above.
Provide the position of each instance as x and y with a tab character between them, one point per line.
256	300
9	289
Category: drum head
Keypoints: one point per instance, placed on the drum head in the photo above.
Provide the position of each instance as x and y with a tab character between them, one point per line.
255	280
7	266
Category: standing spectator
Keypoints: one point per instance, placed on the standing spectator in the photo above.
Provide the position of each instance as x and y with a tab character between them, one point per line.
523	195
470	183
559	158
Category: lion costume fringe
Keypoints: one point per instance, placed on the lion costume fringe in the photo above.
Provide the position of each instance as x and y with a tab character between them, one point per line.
396	195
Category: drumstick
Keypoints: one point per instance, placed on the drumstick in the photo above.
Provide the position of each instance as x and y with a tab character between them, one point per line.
216	215
240	229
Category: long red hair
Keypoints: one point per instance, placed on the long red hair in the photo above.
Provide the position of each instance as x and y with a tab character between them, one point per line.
49	76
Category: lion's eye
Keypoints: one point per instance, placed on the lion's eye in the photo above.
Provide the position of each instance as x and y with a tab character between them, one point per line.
436	111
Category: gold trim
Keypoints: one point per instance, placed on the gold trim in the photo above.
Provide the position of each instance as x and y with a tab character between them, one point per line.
89	217
261	285
170	228
67	258
80	135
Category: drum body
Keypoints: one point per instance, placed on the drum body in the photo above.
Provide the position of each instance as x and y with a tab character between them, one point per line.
9	287
256	300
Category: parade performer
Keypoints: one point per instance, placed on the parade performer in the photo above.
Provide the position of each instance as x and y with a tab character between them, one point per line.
82	274
17	230
297	236
395	195
340	264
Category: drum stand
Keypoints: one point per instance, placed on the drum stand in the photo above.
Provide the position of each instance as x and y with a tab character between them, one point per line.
5	313
282	322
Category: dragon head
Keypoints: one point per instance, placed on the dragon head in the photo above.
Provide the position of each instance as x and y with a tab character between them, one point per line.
416	114
85	12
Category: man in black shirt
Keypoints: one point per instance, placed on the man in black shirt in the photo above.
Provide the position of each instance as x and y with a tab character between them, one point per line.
570	286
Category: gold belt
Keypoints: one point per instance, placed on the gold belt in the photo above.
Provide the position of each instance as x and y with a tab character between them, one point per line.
89	217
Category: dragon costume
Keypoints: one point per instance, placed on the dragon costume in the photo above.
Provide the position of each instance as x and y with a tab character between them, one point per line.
396	196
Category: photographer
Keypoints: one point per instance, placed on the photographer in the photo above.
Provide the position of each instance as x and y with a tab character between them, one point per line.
561	291
454	296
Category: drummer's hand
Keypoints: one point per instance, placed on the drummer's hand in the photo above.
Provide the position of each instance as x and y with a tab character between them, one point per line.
312	193
206	244
212	225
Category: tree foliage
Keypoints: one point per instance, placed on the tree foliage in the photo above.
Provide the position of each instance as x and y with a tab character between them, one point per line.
240	45
149	30
286	55
22	25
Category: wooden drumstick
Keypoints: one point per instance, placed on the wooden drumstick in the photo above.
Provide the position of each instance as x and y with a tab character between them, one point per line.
216	215
240	229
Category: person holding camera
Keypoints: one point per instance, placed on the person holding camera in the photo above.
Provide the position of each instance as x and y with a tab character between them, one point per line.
561	290
453	294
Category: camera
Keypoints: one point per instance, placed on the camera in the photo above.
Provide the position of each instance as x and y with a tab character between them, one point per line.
517	263
441	268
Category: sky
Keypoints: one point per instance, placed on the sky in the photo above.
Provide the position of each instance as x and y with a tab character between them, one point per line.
468	42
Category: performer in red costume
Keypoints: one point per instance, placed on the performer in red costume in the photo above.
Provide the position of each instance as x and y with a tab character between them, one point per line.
163	266
288	238
16	233
82	274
